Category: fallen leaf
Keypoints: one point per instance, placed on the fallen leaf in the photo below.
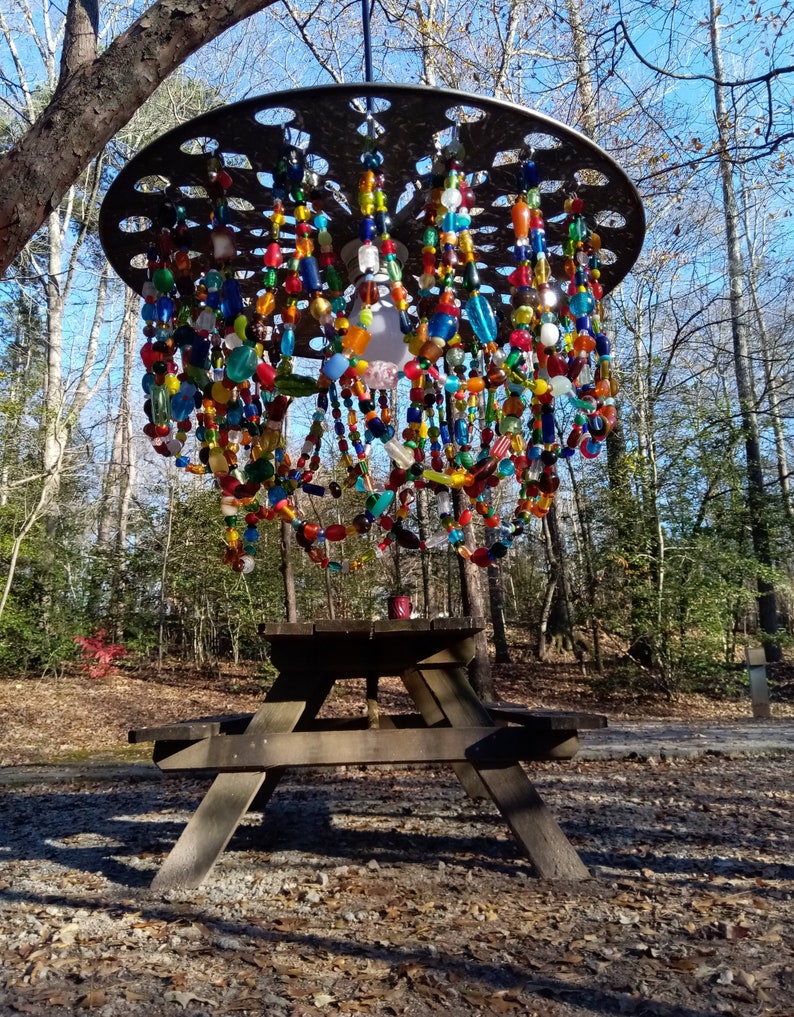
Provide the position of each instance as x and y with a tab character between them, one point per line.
683	963
96	997
323	999
183	998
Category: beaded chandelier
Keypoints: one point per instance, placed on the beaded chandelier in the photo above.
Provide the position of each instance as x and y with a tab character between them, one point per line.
424	269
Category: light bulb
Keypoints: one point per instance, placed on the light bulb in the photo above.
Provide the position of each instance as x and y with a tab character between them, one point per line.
387	342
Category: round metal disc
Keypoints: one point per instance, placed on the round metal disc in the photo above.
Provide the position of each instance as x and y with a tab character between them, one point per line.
329	124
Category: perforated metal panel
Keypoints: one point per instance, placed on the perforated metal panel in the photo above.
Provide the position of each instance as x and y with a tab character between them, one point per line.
328	124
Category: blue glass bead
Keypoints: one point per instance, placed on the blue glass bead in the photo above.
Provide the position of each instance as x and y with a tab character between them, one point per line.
182	461
335	366
372	160
382	222
165	308
521	252
529	174
603	346
547	426
314	489
288	342
413	415
276	494
310	274
482	318
366	229
537	239
442	326
251	535
581	303
149	312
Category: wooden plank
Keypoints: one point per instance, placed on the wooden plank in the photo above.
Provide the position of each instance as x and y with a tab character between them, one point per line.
342	627
287	630
527	815
290	700
242	753
191	730
545	720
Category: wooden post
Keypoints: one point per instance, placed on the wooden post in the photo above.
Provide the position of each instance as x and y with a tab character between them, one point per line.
759	688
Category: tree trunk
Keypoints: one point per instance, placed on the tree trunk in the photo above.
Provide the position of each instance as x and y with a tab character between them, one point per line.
756	496
287	573
473	606
95	101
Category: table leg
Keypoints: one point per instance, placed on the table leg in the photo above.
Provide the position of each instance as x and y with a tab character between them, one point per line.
231	794
527	815
432	716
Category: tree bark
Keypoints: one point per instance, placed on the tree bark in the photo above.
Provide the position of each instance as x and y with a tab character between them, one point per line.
95	101
79	37
756	497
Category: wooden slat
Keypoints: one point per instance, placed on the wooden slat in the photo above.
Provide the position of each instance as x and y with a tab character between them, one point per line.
191	730
342	627
241	753
545	720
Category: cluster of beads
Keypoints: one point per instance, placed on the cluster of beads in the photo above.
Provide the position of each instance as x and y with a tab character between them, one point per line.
481	412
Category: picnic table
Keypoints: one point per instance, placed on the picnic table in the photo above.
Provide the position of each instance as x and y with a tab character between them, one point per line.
484	743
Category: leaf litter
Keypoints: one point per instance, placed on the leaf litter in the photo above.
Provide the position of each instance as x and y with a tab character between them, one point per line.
383	892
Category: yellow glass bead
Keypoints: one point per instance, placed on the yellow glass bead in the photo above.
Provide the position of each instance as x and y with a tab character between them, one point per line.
172	384
302	213
523	316
542	270
319	308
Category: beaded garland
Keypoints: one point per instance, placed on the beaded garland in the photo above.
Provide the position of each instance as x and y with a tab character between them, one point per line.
486	392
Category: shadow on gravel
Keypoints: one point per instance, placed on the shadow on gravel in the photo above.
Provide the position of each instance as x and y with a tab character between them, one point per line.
464	966
115	833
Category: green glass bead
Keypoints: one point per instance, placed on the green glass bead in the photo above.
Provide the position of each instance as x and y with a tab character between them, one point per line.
471	277
163	280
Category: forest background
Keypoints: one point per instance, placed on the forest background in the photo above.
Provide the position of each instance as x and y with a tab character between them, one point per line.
661	559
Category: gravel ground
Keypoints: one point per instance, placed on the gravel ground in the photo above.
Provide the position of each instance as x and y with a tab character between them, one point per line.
391	893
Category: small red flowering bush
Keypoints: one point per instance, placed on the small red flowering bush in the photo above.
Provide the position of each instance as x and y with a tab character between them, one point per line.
98	655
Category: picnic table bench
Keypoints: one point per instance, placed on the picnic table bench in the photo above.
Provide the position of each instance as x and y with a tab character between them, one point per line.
484	743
